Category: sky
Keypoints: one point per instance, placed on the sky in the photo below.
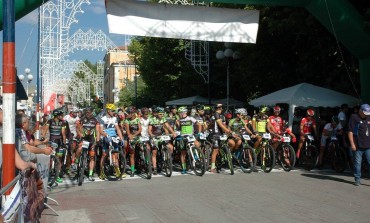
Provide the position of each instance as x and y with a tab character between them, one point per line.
26	33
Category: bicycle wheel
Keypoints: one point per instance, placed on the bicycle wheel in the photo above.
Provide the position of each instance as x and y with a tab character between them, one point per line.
148	163
167	162
54	171
247	160
229	160
310	156
287	157
268	158
83	164
108	168
338	158
122	162
196	159
207	149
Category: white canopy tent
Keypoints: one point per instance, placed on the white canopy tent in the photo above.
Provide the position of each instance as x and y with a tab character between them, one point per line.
305	95
189	101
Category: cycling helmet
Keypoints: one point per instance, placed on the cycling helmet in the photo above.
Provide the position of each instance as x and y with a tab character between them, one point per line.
264	109
130	110
182	109
57	113
173	107
241	111
277	109
310	112
159	109
110	107
228	115
89	109
200	107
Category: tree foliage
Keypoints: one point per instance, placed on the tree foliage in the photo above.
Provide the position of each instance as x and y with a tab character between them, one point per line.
292	47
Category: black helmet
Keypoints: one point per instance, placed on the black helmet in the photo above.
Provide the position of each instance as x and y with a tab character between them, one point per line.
89	109
130	109
200	107
159	110
173	107
57	113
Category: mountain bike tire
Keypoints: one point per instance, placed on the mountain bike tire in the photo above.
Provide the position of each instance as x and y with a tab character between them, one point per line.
148	163
54	171
206	149
83	163
229	160
197	162
310	156
247	160
269	158
338	158
288	150
167	162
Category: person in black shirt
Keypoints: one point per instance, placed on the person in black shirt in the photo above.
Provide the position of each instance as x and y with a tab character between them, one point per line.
359	138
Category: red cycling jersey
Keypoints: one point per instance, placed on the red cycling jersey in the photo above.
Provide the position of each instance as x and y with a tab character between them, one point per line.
307	125
277	124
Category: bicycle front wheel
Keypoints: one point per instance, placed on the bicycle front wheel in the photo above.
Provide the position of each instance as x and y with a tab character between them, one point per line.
148	163
247	160
167	162
338	158
83	164
229	160
54	171
196	159
268	158
206	149
287	157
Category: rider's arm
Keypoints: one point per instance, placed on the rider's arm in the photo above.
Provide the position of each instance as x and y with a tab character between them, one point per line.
150	131
223	127
97	128
44	130
139	130
128	132
64	137
169	128
248	130
119	133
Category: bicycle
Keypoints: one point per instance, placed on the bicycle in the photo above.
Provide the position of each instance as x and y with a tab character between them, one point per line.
338	156
206	148
285	153
83	164
224	156
143	157
309	153
54	164
164	156
245	155
114	170
66	156
266	154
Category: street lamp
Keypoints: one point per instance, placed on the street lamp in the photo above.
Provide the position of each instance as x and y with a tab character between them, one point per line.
229	54
29	80
115	92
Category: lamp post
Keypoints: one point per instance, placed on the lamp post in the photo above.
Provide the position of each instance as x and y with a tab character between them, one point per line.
229	54
29	80
115	92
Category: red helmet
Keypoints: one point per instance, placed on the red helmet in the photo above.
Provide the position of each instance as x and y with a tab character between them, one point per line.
310	112
277	109
228	115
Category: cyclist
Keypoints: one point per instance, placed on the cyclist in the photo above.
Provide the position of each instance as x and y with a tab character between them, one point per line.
73	120
199	116
57	129
275	126
307	126
158	126
109	128
144	121
259	123
172	116
238	126
133	130
186	125
217	127
333	127
89	129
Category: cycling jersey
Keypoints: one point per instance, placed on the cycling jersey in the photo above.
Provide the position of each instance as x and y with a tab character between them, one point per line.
277	123
171	120
55	129
157	125
186	125
109	123
144	126
89	127
133	124
237	126
72	122
261	123
307	125
213	124
200	120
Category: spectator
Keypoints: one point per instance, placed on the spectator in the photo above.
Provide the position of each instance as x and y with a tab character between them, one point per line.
26	149
359	139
